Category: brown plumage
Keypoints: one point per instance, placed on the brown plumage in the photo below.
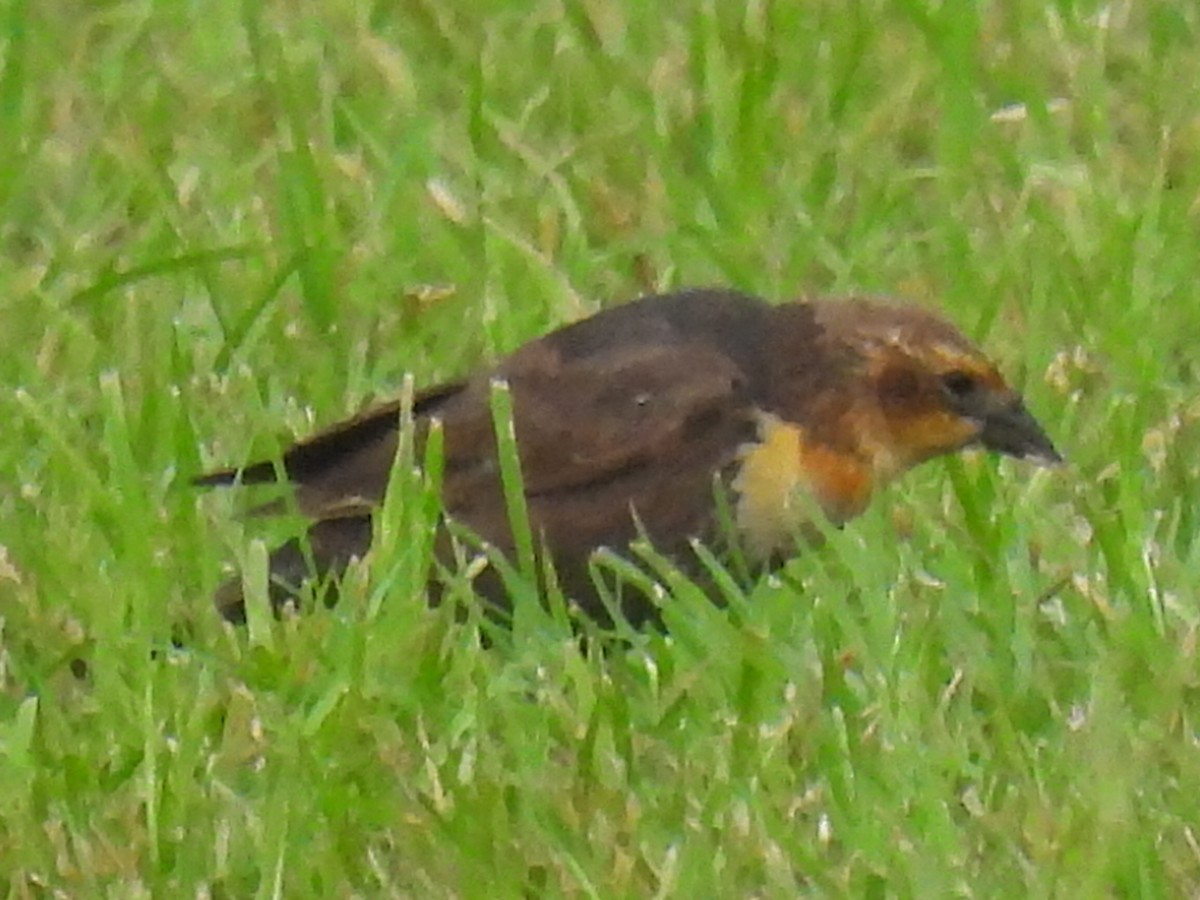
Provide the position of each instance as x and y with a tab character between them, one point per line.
634	417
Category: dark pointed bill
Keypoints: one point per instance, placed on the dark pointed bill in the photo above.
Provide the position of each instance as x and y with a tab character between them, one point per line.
1013	431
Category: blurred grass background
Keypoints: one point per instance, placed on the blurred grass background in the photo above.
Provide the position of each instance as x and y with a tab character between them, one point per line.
226	225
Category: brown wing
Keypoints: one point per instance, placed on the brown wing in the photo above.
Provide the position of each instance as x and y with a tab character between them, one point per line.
642	427
604	393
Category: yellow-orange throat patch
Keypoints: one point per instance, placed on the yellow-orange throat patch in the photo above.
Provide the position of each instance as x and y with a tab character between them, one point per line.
783	476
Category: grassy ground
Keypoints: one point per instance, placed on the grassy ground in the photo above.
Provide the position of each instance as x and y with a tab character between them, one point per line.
224	225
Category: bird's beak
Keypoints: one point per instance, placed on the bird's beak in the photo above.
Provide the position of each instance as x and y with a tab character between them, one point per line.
1011	430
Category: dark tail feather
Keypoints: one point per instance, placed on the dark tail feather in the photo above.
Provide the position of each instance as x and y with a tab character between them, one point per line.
321	555
259	473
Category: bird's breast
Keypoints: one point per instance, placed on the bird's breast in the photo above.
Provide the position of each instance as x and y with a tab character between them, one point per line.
785	478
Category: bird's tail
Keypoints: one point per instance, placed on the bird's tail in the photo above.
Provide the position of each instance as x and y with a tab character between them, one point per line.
320	557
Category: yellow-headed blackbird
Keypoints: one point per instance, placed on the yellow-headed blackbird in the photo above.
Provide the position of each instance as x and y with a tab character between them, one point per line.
630	422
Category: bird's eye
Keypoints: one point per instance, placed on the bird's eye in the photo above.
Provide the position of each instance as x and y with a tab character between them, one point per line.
959	384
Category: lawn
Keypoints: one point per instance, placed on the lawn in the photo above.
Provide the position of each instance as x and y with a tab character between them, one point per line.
226	225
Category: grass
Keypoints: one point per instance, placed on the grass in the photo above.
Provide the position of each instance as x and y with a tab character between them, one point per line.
223	228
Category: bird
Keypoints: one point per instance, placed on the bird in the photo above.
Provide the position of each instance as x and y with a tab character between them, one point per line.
647	419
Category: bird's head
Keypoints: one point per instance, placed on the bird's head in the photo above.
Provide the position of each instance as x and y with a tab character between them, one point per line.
927	389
